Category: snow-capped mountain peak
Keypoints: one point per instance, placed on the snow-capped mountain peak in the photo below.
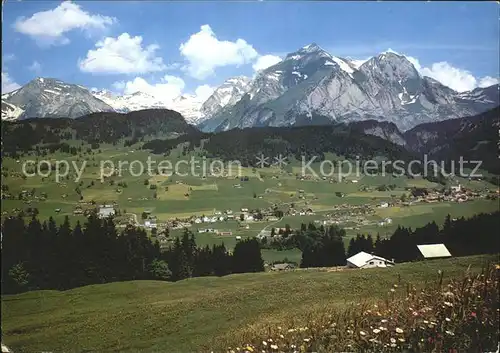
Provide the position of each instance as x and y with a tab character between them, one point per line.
49	97
227	94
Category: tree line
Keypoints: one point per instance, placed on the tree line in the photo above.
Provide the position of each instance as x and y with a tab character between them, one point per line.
324	247
45	255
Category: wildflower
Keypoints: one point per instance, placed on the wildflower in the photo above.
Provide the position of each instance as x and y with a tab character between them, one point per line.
450	333
401	339
274	346
307	339
279	327
415	313
249	348
382	328
473	314
448	304
393	345
383	320
362	333
426	322
281	336
291	330
393	340
448	319
398	330
376	330
392	290
264	343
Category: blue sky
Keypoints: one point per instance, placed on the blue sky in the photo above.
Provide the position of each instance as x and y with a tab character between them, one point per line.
188	47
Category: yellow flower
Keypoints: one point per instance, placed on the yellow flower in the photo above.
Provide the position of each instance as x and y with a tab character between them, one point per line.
248	348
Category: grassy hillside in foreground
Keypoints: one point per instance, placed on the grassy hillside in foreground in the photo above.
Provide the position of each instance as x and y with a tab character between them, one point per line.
197	314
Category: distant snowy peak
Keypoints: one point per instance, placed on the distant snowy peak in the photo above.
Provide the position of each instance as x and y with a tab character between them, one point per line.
227	94
187	105
49	97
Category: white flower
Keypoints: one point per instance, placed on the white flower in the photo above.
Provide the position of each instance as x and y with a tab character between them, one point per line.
448	319
376	330
264	343
307	339
362	333
383	320
274	346
450	333
398	330
393	340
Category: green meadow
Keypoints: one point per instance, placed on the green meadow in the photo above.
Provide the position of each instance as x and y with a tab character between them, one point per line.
188	193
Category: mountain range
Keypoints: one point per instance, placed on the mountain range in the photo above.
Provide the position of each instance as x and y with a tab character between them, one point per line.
308	87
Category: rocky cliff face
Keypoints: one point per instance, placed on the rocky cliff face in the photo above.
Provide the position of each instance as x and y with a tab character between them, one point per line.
311	82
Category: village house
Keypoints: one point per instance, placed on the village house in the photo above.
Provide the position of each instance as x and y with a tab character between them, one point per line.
282	267
150	223
365	260
106	211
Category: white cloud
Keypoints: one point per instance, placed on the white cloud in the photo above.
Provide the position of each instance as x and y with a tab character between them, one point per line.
203	92
8	85
204	53
488	81
122	55
35	67
265	61
49	27
457	79
166	90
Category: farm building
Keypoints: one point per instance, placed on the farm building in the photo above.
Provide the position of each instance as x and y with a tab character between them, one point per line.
225	233
365	260
106	211
433	251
